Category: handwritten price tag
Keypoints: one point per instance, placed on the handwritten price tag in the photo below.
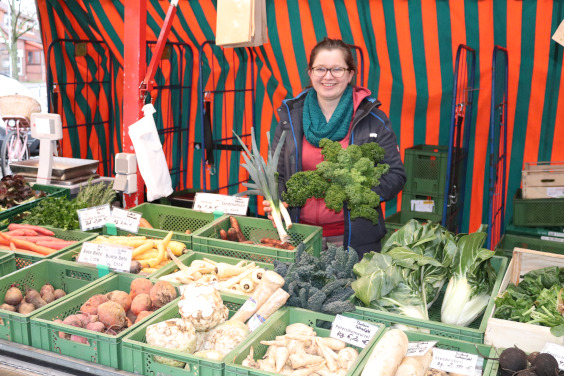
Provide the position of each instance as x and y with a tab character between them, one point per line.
354	332
557	351
114	257
126	220
419	348
210	202
94	217
454	361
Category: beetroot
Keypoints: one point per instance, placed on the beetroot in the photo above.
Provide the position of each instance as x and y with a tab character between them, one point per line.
96	326
79	339
140	286
112	315
162	293
74	320
91	305
120	297
142	302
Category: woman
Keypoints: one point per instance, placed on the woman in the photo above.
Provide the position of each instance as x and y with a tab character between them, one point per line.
334	109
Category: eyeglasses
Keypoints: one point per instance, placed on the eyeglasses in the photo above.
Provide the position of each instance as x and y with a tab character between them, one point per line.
336	72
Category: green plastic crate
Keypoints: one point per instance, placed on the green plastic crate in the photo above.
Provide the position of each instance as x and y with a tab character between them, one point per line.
472	333
191	256
50	190
508	242
448	344
551	232
174	218
102	348
276	326
207	240
426	169
7	263
72	278
541	212
137	355
26	259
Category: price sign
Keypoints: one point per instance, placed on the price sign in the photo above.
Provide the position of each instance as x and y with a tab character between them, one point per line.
94	217
419	348
114	257
424	206
454	361
126	220
354	332
557	351
255	321
210	202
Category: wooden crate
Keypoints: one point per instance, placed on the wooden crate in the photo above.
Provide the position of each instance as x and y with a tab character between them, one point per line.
528	337
543	180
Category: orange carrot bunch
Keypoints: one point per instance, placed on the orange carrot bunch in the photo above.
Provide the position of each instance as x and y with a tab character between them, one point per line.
31	239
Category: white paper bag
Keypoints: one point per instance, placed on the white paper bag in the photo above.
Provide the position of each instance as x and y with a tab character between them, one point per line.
150	156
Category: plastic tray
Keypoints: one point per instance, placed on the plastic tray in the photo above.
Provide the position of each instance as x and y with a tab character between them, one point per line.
26	259
71	254
552	232
7	263
72	278
207	240
173	218
137	355
448	344
509	241
472	333
276	326
104	349
538	212
191	256
51	191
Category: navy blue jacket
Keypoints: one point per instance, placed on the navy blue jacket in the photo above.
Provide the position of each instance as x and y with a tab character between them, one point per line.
369	124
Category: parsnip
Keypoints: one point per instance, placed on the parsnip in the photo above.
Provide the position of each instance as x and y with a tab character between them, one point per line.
303	360
224	270
387	354
415	365
329	355
300	329
235	279
333	343
346	357
270	282
282	355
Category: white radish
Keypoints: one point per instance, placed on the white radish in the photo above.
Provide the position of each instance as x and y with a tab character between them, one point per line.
387	354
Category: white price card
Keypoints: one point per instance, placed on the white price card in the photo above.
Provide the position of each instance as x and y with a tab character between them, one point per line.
557	351
126	220
210	202
552	239
94	217
454	361
114	257
555	192
419	348
557	234
424	206
352	331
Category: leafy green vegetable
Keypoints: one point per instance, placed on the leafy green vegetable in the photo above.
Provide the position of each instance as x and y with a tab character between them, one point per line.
345	176
469	289
536	300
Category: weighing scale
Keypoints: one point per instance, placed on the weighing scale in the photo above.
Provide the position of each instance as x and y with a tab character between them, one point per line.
47	128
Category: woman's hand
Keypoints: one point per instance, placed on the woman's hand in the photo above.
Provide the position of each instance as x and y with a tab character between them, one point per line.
268	210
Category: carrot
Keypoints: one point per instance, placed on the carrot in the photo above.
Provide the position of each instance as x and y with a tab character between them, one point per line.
22	232
232	235
27	245
7	248
56	244
188	232
223	234
35	239
144	223
235	225
38	229
12	246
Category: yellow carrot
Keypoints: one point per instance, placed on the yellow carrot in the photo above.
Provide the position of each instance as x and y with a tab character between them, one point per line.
167	238
148	245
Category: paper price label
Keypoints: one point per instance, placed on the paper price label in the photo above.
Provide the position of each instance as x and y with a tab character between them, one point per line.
555	192
254	322
424	206
114	257
94	217
454	361
354	332
419	348
126	220
557	234
210	202
249	305
551	239
557	351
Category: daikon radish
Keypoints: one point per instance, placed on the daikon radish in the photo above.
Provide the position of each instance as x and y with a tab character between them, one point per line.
387	354
270	282
303	360
415	365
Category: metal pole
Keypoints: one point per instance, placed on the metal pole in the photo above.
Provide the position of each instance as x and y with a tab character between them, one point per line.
134	68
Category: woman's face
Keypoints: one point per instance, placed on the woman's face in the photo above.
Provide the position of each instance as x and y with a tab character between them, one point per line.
328	87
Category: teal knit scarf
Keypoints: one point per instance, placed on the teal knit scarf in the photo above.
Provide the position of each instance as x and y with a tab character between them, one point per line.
315	125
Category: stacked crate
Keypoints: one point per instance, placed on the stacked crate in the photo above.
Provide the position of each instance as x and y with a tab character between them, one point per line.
423	193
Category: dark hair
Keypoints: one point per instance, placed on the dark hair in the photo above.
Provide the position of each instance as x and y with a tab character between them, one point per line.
333	44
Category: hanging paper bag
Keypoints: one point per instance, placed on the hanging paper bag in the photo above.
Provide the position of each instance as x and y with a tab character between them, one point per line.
150	156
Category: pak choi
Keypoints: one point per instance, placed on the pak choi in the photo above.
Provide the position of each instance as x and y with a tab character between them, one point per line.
469	289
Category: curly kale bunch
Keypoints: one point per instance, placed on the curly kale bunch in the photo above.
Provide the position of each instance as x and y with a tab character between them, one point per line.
345	175
321	284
